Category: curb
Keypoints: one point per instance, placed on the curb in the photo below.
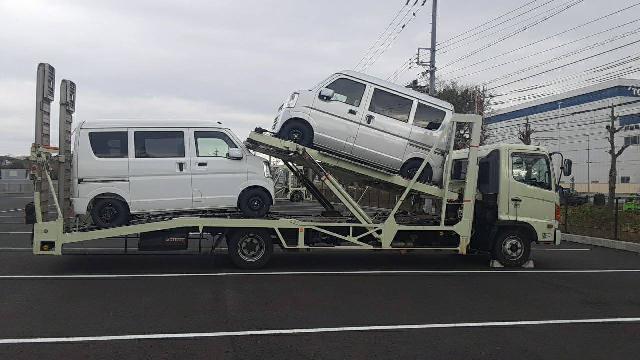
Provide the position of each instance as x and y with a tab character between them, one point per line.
608	243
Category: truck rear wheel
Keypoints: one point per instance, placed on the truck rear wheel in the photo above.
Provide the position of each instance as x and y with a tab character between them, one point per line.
512	248
250	248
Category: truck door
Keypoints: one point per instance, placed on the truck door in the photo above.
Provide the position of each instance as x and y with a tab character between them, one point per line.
532	198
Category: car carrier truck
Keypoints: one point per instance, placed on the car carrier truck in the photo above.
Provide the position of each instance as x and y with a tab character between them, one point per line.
497	200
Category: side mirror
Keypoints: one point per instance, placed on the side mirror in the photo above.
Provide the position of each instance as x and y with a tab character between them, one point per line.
566	167
235	154
326	94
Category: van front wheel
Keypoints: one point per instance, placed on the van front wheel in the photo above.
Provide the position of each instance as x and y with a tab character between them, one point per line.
297	132
108	212
254	203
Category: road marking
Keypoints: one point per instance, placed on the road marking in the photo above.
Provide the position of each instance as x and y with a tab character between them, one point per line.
295	273
315	330
14	232
563	249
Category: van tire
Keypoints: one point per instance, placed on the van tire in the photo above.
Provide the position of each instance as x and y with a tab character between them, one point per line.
109	212
250	248
254	202
298	132
408	170
512	248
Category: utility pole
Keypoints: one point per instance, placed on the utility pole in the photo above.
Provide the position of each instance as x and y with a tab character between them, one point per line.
432	67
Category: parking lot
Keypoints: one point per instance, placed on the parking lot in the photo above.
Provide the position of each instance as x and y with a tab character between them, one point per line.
578	302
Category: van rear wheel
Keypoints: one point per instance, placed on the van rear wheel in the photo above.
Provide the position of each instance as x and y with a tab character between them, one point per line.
109	212
297	132
409	169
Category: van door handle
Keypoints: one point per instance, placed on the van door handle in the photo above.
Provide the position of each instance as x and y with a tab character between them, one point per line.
202	164
516	199
352	112
369	118
180	166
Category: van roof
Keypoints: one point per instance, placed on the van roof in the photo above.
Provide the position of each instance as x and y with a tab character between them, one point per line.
158	123
401	89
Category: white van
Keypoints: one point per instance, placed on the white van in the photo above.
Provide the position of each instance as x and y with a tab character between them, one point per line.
370	120
123	167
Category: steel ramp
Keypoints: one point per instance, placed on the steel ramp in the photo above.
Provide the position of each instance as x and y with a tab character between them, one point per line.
260	141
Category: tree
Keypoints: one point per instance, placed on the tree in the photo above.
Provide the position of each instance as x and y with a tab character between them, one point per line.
465	99
524	133
613	171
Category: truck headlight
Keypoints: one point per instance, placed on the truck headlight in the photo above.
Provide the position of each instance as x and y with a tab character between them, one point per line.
267	169
291	102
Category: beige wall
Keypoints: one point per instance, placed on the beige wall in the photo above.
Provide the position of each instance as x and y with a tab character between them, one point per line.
604	188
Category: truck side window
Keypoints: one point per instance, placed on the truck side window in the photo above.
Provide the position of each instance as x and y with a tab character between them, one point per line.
531	169
109	144
347	91
391	105
428	117
159	144
213	144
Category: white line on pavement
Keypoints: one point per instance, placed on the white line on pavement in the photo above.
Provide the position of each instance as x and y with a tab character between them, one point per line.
14	232
314	330
296	273
562	249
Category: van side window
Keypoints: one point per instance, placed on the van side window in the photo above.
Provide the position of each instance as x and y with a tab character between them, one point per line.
159	144
391	105
531	169
109	144
347	91
428	117
213	144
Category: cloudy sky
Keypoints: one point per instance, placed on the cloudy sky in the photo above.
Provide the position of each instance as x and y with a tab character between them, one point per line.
235	61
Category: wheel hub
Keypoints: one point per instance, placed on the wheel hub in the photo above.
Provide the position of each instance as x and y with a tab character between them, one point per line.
108	213
255	203
295	135
513	248
251	248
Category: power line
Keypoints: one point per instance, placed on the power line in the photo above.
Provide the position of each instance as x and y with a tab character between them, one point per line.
551	49
450	48
382	33
565	65
486	23
400	26
524	28
549	37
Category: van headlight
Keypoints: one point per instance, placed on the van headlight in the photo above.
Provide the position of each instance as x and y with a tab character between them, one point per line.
291	102
267	169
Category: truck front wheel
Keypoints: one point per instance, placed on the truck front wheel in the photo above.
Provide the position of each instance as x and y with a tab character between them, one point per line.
250	248
511	248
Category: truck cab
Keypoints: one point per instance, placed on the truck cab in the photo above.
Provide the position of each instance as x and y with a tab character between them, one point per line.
516	203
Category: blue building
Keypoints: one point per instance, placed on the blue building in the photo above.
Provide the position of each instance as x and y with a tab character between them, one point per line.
574	123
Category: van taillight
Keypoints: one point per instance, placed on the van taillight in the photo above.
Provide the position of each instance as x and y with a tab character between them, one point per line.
558	213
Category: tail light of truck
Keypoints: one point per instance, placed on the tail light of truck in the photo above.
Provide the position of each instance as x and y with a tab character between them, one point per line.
558	213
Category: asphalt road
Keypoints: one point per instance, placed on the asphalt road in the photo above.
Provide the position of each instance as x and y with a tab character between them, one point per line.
578	302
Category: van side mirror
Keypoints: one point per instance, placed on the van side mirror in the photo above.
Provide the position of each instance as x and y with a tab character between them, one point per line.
235	154
566	167
326	94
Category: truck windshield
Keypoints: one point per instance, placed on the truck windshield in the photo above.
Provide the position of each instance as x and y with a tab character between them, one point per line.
531	169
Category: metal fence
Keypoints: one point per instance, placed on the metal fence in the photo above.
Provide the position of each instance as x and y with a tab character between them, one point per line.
619	222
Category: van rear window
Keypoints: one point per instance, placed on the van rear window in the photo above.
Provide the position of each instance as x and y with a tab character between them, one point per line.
159	144
109	144
428	117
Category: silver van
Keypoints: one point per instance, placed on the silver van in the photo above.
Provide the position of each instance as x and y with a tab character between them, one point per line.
368	120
